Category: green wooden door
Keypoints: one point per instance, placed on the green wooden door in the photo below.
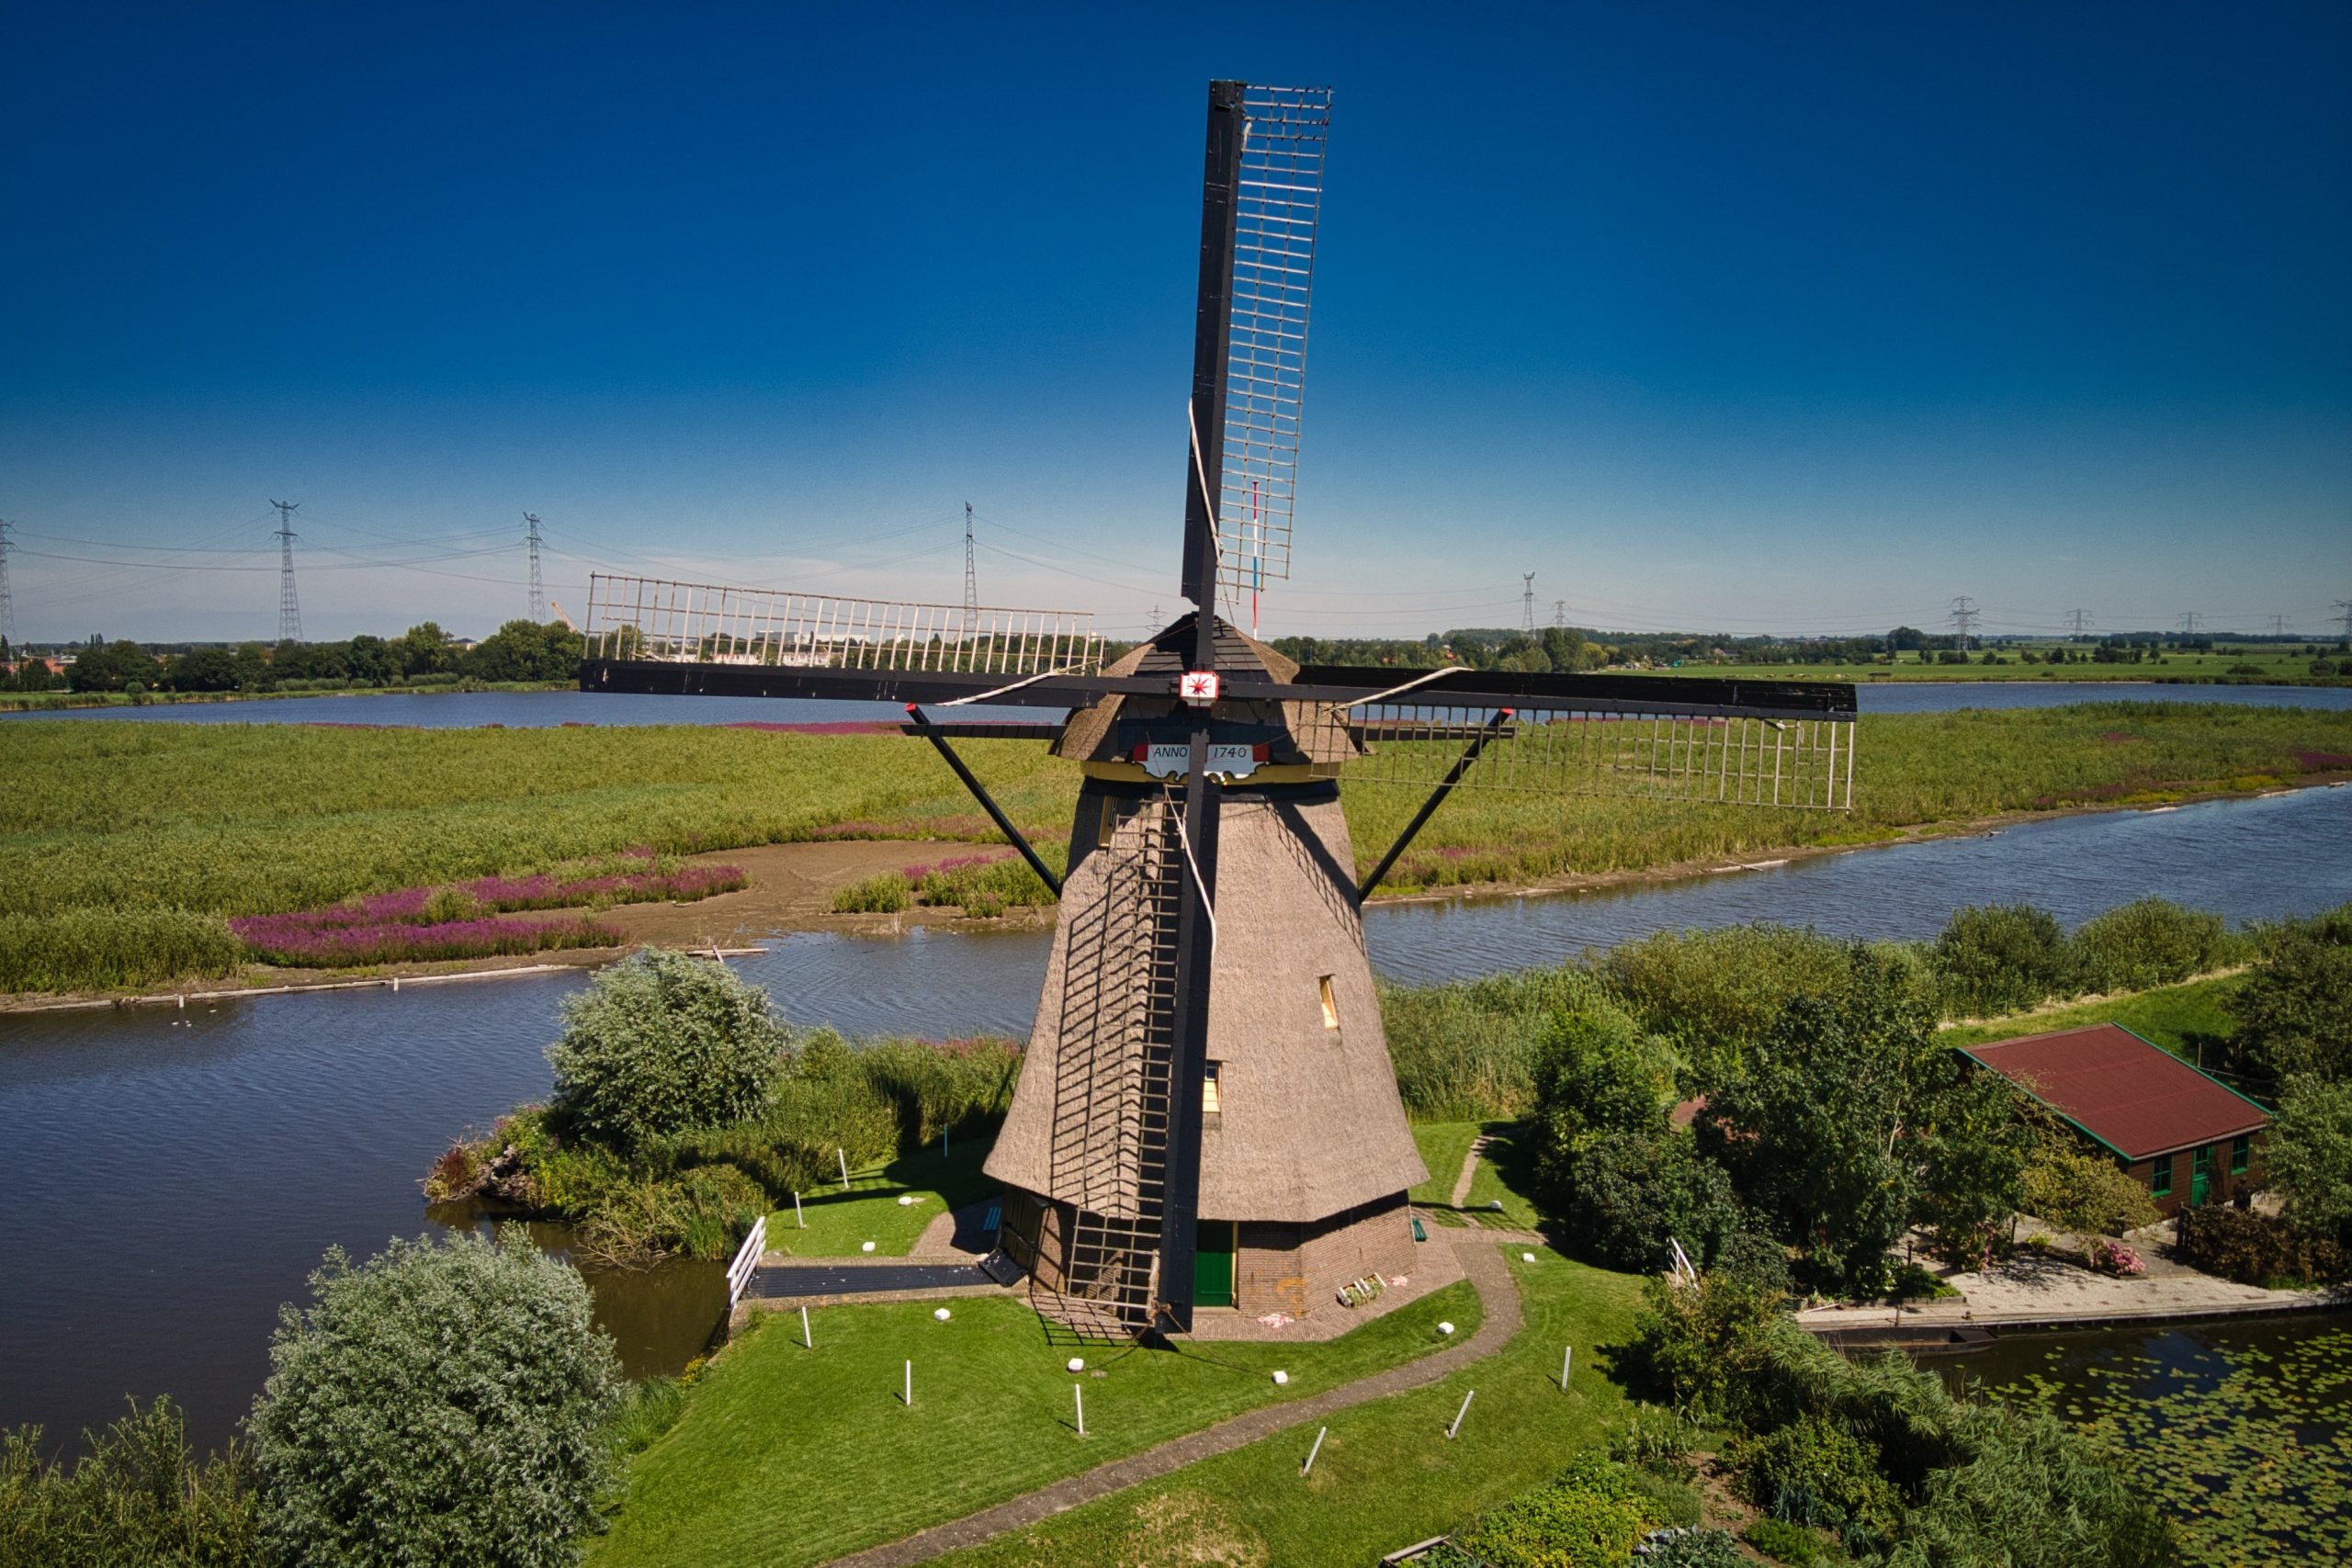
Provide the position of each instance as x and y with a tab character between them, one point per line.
1212	1265
2200	1175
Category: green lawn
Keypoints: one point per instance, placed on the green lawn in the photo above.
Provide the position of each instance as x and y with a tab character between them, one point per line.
840	1223
1386	1477
1502	1176
2175	1017
1442	1144
787	1455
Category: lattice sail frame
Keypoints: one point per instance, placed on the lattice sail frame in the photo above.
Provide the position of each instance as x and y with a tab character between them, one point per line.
1800	760
700	623
1277	201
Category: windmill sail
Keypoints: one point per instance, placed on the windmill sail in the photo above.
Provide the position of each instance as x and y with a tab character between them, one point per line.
1262	199
648	620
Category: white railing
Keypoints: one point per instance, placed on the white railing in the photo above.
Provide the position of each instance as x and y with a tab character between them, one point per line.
747	1260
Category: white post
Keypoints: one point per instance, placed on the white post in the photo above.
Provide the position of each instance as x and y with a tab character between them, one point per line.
1565	1351
1077	1392
805	1342
796	1214
844	1159
1460	1414
1308	1467
910	1385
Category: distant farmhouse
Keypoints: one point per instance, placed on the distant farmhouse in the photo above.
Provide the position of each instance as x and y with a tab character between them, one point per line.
2189	1137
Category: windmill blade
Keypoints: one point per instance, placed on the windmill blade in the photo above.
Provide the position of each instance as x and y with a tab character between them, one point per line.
648	620
1659	738
1262	199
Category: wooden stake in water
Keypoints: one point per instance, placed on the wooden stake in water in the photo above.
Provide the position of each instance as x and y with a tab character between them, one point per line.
806	1341
796	1214
1077	1392
1460	1414
910	1385
844	1159
1308	1467
1565	1351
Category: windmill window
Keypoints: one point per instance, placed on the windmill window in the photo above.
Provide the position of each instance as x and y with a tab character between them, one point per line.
1209	1102
1331	1004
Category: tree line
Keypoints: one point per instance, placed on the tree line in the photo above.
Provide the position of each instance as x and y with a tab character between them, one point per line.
424	655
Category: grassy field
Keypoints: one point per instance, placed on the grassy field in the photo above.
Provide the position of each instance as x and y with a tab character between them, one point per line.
787	1455
1386	1477
227	820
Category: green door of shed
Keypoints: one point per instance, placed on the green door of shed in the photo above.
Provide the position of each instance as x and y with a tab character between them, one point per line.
1212	1265
2201	1175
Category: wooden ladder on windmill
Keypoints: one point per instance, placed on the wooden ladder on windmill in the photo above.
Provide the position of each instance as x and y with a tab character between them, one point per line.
1110	1093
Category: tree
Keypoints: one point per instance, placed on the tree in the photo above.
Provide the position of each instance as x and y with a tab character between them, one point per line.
423	649
525	650
112	667
437	1403
2294	1012
2307	1155
1972	1150
1812	1132
660	1043
1999	959
1631	1193
1595	1075
204	669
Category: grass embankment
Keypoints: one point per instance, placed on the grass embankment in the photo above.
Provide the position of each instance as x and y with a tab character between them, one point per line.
2251	667
57	701
787	1455
2178	1018
1386	1476
214	820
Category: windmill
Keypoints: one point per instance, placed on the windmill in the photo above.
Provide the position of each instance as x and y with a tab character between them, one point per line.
1206	1117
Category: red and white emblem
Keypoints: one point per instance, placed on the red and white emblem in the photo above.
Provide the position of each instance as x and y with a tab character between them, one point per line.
1198	687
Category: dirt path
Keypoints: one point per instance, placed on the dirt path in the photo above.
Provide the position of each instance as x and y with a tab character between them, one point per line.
1497	1294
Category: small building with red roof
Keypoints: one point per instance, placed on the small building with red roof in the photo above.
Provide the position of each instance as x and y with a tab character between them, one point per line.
2185	1134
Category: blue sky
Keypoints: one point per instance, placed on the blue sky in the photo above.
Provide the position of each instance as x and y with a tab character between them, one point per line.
1710	317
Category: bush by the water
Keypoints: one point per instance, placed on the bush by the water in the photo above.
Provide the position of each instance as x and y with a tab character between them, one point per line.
2309	1158
660	1043
438	1403
2256	1249
1468	1052
137	1495
1882	1450
1999	959
2294	1011
2152	942
90	950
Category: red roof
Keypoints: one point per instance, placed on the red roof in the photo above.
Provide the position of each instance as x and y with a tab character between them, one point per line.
2136	1098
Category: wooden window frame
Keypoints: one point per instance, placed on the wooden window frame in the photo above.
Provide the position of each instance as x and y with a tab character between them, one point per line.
2241	1154
2160	1176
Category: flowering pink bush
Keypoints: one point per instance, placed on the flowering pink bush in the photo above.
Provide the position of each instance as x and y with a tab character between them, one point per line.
2113	1257
303	940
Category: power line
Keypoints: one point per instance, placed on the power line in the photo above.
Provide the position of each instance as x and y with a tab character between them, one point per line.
2080	620
2345	606
2189	623
289	609
1527	602
1963	617
539	589
1559	612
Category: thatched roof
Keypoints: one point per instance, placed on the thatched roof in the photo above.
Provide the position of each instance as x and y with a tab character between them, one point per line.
1310	1123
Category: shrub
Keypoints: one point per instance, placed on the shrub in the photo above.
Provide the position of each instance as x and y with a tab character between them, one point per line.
2151	943
1783	1543
93	949
1814	1471
1683	1547
1993	959
436	1403
888	894
1469	1052
1591	1518
2256	1249
1658	1440
1713	993
1629	1194
645	1414
662	1042
139	1495
704	1212
2081	1192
